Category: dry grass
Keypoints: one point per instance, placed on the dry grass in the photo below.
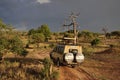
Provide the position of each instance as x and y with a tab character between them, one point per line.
24	68
12	71
103	65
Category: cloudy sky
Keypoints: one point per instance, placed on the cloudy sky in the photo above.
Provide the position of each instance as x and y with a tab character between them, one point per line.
94	14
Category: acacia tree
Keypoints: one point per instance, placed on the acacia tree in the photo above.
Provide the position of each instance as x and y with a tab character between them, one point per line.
45	30
9	41
115	33
4	44
2	25
5	29
95	42
87	36
38	38
31	31
17	46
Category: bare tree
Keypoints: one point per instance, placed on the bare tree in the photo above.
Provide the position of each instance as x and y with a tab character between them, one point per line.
105	30
72	18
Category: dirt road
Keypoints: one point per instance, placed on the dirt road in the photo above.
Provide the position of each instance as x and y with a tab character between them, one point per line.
68	73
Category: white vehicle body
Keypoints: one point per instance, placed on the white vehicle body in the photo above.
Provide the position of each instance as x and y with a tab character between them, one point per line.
67	54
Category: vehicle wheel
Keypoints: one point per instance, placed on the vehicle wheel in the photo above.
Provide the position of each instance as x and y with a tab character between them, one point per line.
73	66
58	62
51	56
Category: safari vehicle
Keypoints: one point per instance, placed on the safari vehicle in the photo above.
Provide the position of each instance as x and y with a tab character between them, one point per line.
67	55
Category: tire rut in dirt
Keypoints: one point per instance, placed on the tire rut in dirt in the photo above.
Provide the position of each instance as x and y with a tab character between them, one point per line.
67	73
87	75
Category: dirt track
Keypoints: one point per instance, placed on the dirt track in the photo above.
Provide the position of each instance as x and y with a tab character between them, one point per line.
67	73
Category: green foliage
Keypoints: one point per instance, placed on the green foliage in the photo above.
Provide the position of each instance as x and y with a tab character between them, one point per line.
2	25
1	48
4	45
45	30
47	62
46	73
87	35
52	45
24	52
42	30
68	35
95	42
115	33
54	75
5	32
16	45
10	40
108	35
1	51
56	33
88	51
4	42
31	32
38	38
15	41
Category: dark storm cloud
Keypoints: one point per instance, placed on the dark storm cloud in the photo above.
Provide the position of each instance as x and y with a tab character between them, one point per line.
94	14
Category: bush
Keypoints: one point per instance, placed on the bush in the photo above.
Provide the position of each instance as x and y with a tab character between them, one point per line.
52	45
95	42
24	53
88	51
47	73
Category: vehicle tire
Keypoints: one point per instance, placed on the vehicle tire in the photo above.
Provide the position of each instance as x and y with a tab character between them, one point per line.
0	58
51	56
73	66
58	62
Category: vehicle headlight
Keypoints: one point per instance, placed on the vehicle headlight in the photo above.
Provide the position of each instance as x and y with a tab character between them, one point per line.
69	57
79	57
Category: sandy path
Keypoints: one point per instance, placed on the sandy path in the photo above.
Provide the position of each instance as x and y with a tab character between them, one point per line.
67	73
